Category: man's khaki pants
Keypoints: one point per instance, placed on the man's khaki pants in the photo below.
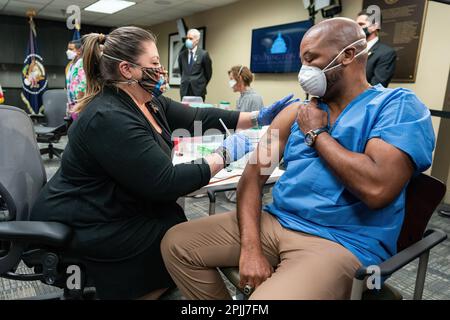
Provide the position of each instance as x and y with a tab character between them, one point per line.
306	267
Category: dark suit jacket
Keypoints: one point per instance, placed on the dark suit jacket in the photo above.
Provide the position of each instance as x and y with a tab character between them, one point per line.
194	81
381	64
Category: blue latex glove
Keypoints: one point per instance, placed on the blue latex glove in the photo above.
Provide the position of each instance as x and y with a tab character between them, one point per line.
267	114
237	146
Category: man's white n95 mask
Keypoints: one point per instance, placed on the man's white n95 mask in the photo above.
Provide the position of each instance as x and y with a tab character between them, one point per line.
313	80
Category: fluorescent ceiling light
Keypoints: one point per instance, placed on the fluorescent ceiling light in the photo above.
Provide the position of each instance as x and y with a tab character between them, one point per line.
109	6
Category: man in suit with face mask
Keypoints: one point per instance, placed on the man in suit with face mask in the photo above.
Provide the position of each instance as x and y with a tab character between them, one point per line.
382	58
195	67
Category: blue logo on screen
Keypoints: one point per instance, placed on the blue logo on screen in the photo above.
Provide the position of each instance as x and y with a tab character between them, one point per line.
279	45
276	48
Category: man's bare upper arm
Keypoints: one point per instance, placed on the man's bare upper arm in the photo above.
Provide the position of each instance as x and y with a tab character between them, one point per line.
283	123
271	146
394	167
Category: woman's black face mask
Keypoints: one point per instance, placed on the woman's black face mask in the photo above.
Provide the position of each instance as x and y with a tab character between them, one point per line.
154	80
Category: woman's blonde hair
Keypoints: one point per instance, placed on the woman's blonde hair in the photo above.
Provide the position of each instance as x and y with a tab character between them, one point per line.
242	72
124	43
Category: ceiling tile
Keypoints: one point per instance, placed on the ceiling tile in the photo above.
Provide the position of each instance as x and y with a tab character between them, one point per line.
21	7
41	2
193	6
125	15
206	3
140	7
146	21
63	4
93	15
145	12
3	4
54	13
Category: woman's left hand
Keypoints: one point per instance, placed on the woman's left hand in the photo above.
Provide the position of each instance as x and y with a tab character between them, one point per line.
237	146
267	114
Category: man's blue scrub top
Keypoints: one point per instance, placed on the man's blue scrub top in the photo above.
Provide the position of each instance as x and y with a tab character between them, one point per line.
310	199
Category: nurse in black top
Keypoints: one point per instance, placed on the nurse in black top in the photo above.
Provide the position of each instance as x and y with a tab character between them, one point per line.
117	187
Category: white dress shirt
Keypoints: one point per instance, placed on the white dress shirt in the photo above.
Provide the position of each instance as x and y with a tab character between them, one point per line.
371	43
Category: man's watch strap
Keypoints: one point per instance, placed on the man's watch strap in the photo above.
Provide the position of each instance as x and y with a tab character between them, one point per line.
310	137
320	130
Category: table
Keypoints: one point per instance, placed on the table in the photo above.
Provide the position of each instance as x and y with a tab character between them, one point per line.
224	179
189	149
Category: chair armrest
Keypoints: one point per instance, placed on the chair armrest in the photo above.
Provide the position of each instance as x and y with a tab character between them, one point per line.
59	131
62	129
37	118
68	120
48	233
431	239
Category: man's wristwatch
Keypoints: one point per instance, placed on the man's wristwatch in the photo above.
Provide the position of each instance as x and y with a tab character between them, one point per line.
310	136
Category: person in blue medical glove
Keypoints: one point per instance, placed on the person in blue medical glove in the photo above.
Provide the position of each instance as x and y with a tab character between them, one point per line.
117	187
350	153
233	148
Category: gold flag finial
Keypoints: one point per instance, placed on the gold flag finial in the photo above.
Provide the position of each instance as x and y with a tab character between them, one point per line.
31	13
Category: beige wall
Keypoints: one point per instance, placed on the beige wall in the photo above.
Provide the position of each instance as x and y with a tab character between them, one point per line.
228	40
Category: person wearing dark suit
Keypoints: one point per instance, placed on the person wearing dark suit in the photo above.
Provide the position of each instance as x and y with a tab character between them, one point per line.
382	58
195	67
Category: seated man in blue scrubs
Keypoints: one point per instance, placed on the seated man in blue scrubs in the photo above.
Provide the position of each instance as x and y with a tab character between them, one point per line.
350	154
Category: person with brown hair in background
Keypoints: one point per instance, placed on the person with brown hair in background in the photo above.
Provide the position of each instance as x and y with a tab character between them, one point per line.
117	187
240	80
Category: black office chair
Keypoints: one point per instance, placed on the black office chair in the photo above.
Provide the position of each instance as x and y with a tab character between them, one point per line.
423	195
43	246
54	123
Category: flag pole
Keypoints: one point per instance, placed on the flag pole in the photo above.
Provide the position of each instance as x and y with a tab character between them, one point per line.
31	14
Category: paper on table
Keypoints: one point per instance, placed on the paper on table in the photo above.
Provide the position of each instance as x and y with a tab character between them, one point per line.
224	174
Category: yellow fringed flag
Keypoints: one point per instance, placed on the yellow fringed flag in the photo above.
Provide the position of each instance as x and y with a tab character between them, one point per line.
2	97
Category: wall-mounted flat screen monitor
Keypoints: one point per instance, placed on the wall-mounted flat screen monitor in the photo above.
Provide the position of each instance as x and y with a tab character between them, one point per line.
276	49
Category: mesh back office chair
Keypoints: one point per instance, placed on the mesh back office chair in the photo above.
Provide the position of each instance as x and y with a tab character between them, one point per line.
42	245
55	123
423	195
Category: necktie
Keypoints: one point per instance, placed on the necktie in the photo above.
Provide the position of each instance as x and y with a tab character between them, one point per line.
191	59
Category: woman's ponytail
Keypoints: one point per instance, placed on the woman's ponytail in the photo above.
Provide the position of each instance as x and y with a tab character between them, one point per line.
92	53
